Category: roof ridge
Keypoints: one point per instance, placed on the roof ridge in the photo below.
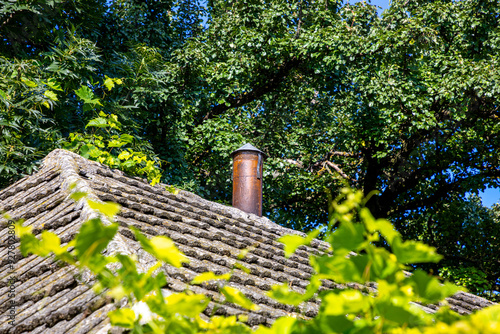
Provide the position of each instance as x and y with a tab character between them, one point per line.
70	171
71	182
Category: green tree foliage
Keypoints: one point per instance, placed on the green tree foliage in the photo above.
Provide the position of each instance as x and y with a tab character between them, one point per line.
28	27
468	235
26	133
349	310
404	103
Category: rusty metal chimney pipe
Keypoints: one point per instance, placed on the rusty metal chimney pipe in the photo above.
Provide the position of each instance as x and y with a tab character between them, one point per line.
247	179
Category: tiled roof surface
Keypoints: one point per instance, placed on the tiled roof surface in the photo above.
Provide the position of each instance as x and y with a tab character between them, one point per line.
57	299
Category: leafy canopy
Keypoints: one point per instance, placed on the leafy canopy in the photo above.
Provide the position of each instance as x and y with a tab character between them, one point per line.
403	103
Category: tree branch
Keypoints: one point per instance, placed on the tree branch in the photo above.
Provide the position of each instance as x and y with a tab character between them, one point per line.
321	163
344	154
7	20
297	33
442	191
338	170
272	79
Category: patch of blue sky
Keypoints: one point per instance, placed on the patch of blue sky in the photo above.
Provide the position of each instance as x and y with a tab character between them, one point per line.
382	4
490	196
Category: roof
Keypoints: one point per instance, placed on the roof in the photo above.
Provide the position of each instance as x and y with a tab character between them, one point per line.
211	235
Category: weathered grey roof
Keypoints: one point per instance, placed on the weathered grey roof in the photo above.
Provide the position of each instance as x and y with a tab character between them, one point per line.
60	300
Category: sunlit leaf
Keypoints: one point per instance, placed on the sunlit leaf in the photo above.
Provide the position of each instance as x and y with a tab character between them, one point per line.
53	84
51	95
284	295
381	225
126	138
86	94
97	122
28	82
124	155
235	296
172	189
166	250
116	143
108	82
21	230
30	245
162	248
188	305
292	241
3	94
429	288
124	317
344	302
398	313
93	238
117	292
341	269
210	276
349	236
283	325
411	251
109	209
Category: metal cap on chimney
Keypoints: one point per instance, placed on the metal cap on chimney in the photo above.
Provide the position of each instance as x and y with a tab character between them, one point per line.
247	179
